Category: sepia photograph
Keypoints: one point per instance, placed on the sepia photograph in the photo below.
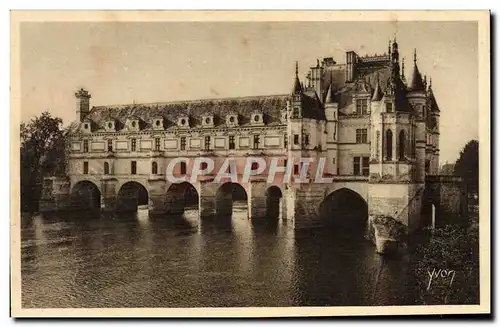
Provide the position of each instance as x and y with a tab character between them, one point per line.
265	164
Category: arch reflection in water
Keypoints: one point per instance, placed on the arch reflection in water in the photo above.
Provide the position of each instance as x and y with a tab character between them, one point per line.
182	202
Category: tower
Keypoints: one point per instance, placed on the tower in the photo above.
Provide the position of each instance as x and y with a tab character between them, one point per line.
418	100
433	125
393	189
82	104
331	114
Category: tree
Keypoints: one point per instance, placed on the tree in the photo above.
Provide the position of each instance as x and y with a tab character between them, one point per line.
467	166
447	169
42	154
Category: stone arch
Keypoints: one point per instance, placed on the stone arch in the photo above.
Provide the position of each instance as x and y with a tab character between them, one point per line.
228	196
85	195
344	210
181	196
131	195
274	198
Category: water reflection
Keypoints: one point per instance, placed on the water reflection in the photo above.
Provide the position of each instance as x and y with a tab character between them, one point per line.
138	260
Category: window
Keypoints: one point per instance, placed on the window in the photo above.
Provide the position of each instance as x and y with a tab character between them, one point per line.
296	112
296	169
285	141
256	141
388	145
85	145
85	167
133	167
255	165
361	166
110	145
133	144
356	166
361	135
157	144
296	139
203	165
106	168
184	169
232	146
183	143
305	139
334	161
154	168
427	166
401	147
362	106
365	169
388	107
207	142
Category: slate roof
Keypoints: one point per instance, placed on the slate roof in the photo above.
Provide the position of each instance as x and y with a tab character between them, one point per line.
271	106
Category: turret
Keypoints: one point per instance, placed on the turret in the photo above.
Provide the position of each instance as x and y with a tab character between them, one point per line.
297	94
82	104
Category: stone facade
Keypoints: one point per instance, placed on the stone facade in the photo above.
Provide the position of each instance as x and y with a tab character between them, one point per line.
378	134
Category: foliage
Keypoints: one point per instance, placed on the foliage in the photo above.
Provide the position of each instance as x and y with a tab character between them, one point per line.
467	166
42	154
447	169
450	248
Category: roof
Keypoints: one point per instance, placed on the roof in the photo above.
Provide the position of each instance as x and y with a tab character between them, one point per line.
271	106
432	101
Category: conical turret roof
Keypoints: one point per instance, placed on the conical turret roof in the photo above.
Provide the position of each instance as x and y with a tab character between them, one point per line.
416	81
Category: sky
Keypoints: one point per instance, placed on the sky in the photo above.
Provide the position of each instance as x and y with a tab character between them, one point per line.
127	62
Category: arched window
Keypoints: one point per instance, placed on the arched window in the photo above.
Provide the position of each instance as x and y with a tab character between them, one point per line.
402	142
106	168
154	168
388	145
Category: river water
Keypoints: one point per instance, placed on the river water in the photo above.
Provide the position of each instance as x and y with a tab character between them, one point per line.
133	260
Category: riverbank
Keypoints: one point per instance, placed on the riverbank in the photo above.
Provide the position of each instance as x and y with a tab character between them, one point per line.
447	265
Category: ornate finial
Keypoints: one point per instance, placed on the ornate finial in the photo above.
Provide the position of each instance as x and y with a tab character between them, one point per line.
415	56
296	68
403	68
430	82
317	63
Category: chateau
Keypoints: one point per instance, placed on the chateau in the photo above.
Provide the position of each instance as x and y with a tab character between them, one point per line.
377	130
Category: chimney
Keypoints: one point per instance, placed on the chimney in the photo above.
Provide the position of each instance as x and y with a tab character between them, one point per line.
82	104
351	59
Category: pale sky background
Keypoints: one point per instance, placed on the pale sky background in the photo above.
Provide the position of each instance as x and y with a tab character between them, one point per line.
120	63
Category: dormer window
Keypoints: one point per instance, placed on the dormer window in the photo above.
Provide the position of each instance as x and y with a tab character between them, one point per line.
133	124
232	120
183	122
361	106
388	107
157	123
257	118
110	126
86	127
208	121
284	116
